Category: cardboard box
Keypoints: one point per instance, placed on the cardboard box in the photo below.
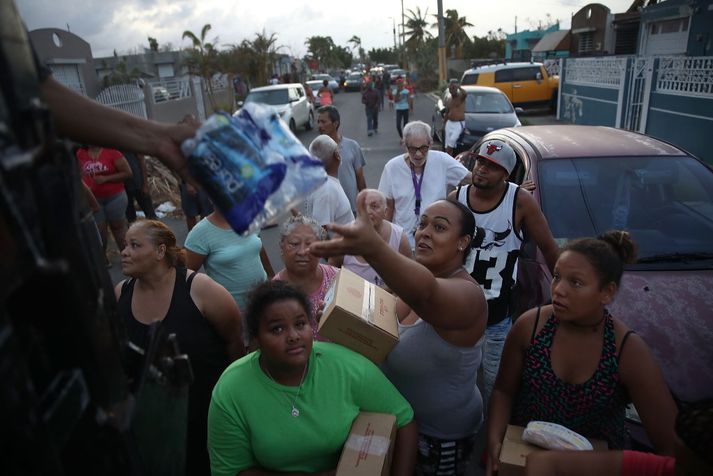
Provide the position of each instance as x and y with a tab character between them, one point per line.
369	447
514	451
361	316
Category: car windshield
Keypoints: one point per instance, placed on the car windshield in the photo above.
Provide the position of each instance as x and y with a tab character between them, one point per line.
315	84
323	77
355	76
273	97
487	103
666	203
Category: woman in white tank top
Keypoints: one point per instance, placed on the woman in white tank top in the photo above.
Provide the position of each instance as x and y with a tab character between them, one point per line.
391	233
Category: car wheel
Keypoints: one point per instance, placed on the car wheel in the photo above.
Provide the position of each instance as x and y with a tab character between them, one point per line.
293	126
310	122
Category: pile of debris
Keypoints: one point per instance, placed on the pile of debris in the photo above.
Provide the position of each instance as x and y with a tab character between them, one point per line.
164	186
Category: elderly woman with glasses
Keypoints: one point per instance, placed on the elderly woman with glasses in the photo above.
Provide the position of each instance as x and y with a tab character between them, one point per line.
302	268
414	180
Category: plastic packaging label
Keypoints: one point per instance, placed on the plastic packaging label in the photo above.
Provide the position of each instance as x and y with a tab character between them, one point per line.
251	166
554	437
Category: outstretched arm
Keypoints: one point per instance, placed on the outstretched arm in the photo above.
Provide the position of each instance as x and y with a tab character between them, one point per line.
411	281
105	126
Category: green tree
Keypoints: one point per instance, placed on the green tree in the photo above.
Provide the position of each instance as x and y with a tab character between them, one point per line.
121	75
321	48
153	44
203	58
252	58
384	55
490	46
356	44
417	32
456	36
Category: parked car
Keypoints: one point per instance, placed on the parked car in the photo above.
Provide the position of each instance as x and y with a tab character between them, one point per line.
525	84
289	100
593	179
333	84
486	109
314	85
396	72
354	82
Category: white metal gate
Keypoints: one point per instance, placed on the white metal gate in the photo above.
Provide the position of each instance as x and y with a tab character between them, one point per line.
638	94
126	97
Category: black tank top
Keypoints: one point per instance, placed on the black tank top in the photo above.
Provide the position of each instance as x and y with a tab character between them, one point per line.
199	340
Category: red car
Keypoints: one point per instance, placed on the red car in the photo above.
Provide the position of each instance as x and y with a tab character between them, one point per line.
592	179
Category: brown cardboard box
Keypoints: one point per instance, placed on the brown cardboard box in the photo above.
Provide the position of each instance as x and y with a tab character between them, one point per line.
361	316
370	445
515	450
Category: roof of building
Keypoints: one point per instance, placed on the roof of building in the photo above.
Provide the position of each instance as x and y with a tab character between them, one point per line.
557	40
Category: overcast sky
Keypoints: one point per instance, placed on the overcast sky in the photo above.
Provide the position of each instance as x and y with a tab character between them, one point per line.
123	25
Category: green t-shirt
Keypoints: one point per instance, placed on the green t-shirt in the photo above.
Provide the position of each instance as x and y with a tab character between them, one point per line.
250	422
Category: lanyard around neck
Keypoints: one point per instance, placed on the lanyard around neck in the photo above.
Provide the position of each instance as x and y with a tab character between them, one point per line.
417	187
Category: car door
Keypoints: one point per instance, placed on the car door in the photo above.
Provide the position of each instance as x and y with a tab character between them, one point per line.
528	85
503	81
298	113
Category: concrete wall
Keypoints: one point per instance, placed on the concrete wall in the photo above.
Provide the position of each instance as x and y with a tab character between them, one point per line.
60	47
595	19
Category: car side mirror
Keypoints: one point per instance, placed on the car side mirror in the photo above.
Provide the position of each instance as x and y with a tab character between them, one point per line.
241	103
519	110
538	76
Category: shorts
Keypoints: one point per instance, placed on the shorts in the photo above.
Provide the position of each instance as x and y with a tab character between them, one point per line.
193	206
112	208
453	131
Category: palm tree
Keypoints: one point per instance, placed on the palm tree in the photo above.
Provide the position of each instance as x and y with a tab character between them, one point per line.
265	51
417	28
203	59
454	30
356	45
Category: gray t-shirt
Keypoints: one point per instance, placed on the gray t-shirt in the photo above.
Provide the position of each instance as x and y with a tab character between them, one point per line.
352	160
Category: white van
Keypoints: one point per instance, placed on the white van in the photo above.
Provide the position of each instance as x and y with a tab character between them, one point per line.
289	100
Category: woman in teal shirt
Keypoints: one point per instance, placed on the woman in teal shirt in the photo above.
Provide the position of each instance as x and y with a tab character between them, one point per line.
236	262
288	407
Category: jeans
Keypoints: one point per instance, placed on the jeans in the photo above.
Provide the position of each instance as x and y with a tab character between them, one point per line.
492	350
144	201
401	115
372	120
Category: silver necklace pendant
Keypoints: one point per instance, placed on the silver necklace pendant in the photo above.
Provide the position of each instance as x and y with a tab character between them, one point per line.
295	412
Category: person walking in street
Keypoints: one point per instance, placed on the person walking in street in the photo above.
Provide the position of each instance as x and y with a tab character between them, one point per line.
403	103
325	94
504	213
455	115
351	167
371	100
328	203
414	180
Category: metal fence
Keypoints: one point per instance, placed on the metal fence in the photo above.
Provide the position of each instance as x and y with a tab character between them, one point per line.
670	97
125	97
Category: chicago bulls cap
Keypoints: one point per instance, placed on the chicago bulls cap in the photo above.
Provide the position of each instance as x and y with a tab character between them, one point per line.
499	152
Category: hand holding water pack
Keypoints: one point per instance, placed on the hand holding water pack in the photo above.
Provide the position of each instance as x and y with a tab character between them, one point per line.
251	166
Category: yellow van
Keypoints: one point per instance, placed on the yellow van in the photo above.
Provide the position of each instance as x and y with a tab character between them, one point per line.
525	84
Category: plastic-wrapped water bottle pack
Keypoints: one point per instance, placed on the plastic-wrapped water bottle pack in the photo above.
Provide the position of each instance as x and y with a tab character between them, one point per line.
252	167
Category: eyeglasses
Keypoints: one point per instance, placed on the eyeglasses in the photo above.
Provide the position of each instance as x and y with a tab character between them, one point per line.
423	149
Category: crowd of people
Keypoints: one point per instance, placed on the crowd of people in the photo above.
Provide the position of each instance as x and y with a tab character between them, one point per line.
451	261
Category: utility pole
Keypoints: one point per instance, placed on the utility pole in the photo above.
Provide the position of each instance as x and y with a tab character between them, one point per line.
403	42
441	45
394	24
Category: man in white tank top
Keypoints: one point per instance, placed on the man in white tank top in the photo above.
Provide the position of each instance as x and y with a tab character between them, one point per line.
504	214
